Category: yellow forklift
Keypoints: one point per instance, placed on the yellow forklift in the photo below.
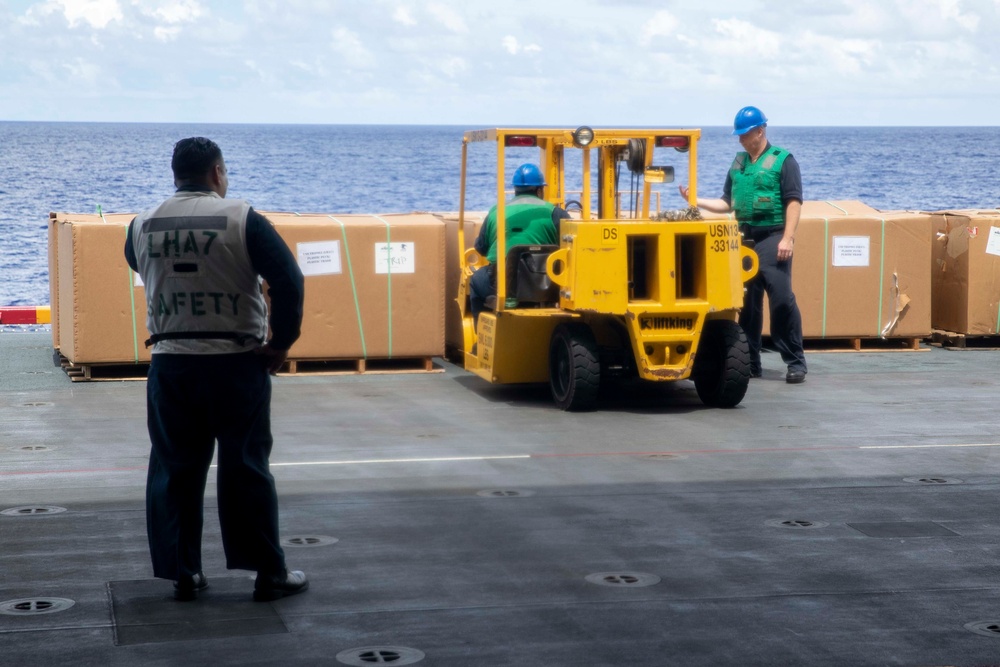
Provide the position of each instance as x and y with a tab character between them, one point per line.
626	292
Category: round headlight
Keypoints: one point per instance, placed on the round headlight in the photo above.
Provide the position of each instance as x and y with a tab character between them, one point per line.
583	136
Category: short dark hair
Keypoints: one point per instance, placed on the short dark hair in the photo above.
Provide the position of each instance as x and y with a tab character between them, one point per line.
526	189
193	158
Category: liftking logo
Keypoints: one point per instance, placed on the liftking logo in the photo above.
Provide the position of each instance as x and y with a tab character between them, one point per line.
667	323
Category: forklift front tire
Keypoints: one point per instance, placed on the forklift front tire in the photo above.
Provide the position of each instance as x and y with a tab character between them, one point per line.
721	370
574	367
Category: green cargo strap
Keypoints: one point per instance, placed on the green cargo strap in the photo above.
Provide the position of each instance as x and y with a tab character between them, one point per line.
388	243
842	210
131	294
350	272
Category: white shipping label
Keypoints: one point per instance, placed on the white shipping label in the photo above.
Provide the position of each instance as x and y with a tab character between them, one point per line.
993	243
319	258
851	250
395	258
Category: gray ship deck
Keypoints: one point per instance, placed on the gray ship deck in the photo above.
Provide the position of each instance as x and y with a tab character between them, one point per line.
847	521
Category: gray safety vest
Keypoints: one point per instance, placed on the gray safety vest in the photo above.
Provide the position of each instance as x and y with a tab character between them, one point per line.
202	294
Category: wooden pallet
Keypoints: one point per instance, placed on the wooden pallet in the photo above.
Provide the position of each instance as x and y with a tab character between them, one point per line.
859	344
103	372
959	341
360	366
292	367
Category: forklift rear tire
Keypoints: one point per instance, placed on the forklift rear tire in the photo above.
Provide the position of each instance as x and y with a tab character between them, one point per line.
722	366
574	367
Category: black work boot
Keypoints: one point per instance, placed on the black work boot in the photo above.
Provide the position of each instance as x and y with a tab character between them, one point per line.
188	586
274	586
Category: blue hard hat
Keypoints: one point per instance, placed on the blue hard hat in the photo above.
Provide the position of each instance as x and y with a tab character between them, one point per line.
528	176
747	119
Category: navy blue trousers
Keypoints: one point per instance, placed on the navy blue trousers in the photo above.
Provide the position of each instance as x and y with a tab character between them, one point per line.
192	402
481	285
774	278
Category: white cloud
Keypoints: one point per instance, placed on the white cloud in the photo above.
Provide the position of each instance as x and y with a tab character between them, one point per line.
448	17
83	71
935	14
348	44
165	34
859	18
663	24
823	60
96	13
404	16
514	47
177	11
845	56
454	66
170	15
746	39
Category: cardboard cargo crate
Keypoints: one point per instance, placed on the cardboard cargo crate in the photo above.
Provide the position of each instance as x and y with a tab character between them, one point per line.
374	287
860	272
53	257
966	272
374	284
99	313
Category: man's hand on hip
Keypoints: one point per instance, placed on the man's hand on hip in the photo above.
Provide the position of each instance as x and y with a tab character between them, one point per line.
275	358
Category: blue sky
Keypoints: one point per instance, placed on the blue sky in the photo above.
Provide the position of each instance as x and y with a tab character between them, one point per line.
475	63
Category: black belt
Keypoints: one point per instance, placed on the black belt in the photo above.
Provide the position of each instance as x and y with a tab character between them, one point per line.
241	339
760	232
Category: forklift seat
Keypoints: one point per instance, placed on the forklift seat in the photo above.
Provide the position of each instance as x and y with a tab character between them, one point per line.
527	280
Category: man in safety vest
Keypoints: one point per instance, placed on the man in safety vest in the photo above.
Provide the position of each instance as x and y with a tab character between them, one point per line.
201	258
530	221
764	189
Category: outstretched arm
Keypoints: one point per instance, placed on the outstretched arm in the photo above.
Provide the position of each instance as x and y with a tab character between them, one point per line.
713	205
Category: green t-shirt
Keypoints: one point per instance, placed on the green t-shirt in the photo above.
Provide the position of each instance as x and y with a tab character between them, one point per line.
529	222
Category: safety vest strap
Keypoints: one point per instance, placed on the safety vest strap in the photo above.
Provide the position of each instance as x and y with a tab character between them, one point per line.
240	338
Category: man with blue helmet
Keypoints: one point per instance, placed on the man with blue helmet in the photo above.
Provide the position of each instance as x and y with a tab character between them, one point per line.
764	189
530	221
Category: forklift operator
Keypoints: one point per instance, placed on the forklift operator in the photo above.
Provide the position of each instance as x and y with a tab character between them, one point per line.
530	221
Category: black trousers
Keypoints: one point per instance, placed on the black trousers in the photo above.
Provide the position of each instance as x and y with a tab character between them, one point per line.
192	402
774	278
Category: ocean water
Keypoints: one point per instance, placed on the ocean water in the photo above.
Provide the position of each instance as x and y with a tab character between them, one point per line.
76	167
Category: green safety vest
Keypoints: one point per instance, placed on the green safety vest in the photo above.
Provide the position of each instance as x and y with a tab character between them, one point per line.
756	193
529	222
